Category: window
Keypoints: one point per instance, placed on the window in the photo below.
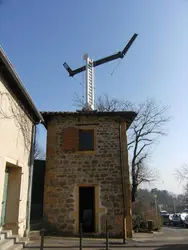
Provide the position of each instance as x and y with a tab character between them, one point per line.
86	140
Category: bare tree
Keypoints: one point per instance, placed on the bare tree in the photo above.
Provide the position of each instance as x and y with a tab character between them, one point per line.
104	103
182	175
146	129
39	153
145	174
12	110
78	101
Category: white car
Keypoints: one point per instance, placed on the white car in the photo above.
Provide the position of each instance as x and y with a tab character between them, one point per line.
164	213
171	218
182	217
186	221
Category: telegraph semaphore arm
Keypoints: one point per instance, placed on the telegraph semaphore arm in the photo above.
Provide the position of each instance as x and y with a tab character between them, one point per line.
118	55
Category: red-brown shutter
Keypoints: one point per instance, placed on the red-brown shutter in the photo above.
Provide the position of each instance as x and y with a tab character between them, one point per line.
70	139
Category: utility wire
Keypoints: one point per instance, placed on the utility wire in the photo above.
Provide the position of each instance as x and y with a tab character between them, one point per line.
116	67
79	82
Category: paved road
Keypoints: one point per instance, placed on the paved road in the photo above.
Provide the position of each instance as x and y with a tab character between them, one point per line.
170	238
167	234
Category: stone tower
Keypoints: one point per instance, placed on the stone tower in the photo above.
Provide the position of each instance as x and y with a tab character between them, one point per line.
87	174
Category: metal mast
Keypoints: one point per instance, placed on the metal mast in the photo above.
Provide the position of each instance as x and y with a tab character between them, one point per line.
89	67
89	83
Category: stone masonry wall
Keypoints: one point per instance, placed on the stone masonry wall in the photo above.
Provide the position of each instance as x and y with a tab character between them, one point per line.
66	169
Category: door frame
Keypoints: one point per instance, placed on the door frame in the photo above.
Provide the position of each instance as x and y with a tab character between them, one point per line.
4	198
92	189
99	209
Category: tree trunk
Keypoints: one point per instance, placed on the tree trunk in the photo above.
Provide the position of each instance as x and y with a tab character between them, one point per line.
134	191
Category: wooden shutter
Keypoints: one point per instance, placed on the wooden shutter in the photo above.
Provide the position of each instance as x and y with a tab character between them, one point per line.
70	139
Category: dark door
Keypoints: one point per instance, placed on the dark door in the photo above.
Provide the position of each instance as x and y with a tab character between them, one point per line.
87	208
4	202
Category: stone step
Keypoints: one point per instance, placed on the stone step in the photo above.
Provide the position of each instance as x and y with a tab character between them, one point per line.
17	240
7	233
23	240
16	247
14	237
12	241
2	236
6	243
34	235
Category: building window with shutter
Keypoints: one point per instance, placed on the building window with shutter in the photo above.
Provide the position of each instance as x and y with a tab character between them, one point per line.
86	140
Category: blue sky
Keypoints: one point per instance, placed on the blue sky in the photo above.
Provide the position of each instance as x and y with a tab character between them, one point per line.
39	36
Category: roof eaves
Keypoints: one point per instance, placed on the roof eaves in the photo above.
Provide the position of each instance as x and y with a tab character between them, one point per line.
129	116
20	84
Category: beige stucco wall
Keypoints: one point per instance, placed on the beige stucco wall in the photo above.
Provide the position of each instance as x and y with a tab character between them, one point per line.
14	148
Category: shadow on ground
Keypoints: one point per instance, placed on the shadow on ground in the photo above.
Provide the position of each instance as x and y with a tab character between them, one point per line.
121	246
173	247
174	227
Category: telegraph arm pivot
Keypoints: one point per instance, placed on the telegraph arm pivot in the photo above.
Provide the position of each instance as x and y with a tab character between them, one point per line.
120	54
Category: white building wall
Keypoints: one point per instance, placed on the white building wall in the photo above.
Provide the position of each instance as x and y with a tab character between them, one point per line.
15	145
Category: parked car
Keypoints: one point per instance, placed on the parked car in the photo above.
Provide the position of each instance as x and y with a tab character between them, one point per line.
163	213
165	217
186	221
182	217
171	218
185	210
176	220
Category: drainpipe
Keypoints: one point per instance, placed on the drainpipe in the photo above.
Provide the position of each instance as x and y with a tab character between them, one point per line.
123	182
31	163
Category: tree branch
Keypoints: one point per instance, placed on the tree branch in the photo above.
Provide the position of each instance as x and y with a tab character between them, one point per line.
146	129
11	109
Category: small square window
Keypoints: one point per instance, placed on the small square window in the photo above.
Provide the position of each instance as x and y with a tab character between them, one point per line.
86	140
